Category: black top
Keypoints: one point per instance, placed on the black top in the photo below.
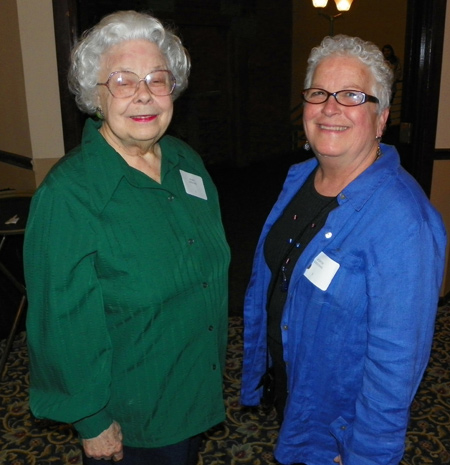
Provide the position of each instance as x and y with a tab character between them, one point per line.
291	233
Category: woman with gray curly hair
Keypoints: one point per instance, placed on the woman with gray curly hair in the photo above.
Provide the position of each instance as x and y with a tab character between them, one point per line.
127	317
340	309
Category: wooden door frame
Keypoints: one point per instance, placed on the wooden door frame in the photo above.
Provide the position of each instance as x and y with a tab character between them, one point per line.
66	34
425	28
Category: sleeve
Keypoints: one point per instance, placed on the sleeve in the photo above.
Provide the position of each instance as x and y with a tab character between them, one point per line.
255	335
69	346
403	285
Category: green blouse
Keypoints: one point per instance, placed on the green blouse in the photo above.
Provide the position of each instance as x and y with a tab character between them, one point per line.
127	290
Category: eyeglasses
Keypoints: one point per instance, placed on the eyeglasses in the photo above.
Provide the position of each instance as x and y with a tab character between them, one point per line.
348	97
123	84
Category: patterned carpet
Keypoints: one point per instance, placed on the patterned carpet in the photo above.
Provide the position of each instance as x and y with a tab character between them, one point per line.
246	437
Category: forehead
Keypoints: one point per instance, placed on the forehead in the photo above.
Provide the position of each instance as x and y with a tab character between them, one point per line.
342	72
132	54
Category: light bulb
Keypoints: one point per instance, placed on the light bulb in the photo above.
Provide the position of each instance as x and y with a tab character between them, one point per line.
320	3
343	5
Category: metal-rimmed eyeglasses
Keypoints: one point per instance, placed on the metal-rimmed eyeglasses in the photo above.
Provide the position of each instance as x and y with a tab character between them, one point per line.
346	97
123	84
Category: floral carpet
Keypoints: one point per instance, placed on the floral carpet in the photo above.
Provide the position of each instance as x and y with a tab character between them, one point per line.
246	437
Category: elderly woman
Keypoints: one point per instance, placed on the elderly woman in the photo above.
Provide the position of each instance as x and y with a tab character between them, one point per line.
341	304
126	261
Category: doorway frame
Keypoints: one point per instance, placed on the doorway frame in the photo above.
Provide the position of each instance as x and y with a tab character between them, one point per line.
425	29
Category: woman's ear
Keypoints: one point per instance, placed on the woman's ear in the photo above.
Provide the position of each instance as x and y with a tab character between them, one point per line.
382	119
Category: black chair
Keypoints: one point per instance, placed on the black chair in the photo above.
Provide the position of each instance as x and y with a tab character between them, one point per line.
14	208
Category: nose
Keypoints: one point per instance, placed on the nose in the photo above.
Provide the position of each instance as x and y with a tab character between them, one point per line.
143	91
331	106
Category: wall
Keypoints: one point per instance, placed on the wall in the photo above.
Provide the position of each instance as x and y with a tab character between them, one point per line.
29	110
440	195
15	135
442	133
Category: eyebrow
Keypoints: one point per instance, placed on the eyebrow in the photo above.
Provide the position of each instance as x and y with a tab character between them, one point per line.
349	87
156	68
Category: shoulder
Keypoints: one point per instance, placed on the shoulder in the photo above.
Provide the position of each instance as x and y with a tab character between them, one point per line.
172	143
69	170
402	202
78	180
174	148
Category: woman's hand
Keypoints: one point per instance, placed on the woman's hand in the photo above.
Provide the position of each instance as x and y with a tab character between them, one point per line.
338	460
107	445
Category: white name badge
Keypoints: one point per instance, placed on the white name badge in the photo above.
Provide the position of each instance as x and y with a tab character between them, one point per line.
322	271
193	184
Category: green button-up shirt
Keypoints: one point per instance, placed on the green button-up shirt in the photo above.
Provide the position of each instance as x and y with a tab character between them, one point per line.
127	290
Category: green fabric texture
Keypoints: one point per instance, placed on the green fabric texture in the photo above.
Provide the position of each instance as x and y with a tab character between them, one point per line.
127	287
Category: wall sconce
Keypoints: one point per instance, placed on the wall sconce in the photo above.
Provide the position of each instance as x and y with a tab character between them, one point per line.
341	5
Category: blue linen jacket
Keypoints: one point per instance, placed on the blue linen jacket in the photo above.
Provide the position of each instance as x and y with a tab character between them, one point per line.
355	352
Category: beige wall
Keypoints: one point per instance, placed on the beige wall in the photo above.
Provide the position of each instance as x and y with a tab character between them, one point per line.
443	133
15	134
31	111
440	197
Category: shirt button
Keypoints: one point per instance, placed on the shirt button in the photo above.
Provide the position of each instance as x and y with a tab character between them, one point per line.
285	327
328	235
205	285
170	198
210	328
214	366
191	241
342	196
343	428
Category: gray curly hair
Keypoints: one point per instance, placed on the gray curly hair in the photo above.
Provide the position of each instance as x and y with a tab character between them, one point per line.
114	29
367	52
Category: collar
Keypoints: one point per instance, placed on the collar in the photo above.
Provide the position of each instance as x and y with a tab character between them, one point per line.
106	168
361	189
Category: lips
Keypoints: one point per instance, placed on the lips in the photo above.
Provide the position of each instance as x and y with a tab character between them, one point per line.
143	118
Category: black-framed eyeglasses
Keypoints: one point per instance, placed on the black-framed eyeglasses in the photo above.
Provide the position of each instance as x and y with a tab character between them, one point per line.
347	97
123	84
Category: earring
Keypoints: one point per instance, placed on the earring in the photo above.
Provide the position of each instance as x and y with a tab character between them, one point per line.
307	146
99	114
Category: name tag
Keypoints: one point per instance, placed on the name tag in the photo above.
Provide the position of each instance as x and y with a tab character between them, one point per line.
193	184
322	271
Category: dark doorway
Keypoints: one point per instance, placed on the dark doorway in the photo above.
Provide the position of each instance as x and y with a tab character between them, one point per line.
423	60
236	108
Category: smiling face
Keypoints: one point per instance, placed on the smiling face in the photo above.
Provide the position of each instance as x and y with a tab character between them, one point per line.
136	122
337	131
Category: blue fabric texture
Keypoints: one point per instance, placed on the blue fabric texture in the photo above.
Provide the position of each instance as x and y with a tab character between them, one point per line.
355	352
